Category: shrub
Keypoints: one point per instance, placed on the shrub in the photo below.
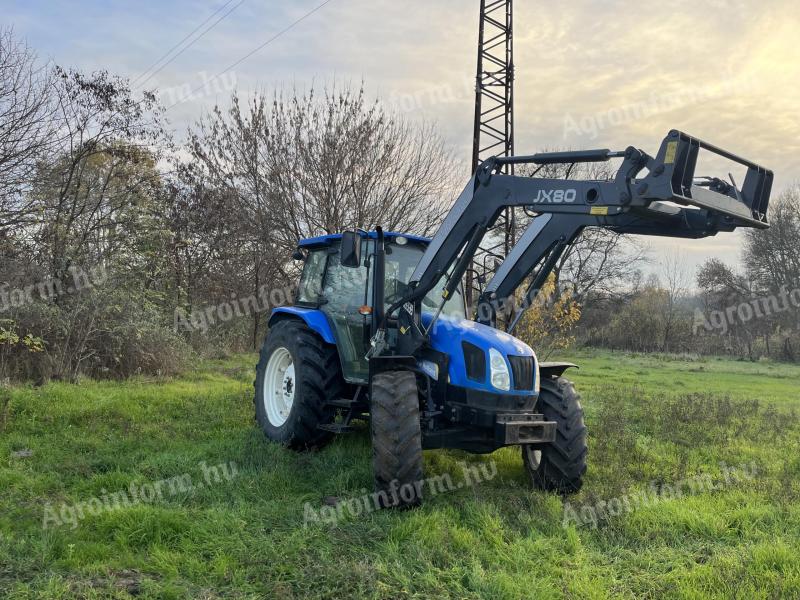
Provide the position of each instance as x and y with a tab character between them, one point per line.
103	332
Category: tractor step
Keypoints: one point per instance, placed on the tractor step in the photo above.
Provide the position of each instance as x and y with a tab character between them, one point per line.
340	403
336	428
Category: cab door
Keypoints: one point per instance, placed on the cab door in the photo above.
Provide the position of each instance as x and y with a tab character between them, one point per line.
345	291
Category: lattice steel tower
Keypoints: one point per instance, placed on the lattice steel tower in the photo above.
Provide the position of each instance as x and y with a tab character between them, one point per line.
494	117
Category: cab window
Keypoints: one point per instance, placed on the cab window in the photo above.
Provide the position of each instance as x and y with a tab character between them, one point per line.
401	261
310	286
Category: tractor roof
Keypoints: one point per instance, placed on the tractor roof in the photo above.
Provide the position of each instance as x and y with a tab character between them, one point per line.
327	239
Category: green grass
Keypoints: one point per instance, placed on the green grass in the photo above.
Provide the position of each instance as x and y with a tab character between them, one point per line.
680	374
653	421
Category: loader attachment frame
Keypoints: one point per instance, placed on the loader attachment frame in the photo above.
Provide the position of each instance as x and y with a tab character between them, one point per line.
669	200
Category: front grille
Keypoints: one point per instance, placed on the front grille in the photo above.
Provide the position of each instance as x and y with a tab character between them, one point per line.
475	361
522	372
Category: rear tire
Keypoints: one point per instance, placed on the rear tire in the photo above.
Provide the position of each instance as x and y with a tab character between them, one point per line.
396	439
559	465
303	372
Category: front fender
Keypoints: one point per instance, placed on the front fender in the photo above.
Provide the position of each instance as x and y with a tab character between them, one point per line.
314	318
555	369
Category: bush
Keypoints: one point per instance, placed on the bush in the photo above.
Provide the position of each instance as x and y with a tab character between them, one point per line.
103	332
137	343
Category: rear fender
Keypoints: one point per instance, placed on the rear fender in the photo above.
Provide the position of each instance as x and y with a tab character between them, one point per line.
314	318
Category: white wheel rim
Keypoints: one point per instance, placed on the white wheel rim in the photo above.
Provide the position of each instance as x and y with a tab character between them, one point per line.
279	387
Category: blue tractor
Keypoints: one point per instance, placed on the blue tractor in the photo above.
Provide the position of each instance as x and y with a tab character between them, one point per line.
380	331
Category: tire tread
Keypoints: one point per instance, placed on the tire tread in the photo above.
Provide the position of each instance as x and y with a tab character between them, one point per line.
563	461
395	432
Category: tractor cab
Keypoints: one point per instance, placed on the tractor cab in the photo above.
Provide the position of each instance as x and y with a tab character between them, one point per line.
344	294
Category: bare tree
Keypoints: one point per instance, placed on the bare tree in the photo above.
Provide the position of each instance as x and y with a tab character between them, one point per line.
212	254
723	290
772	261
93	205
677	287
600	263
772	256
26	126
300	165
102	171
304	165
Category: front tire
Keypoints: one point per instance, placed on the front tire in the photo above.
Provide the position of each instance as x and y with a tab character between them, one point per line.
297	374
396	439
559	465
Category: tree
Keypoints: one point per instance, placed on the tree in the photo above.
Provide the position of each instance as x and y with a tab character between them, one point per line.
303	165
94	206
102	177
210	251
635	324
548	323
297	166
26	126
772	261
772	256
677	287
723	291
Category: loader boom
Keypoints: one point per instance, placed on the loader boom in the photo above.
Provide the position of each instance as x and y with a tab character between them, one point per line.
669	200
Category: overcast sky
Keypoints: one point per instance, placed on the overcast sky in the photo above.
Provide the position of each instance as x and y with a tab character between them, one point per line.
725	71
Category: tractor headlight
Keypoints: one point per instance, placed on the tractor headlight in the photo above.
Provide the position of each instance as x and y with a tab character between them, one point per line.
499	370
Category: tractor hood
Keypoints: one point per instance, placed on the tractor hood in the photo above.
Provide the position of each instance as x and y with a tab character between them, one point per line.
450	335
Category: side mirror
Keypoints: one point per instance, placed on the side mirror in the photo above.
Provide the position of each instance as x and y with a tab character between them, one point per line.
298	255
350	250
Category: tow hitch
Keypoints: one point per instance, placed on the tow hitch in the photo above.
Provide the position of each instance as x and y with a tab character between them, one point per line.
512	429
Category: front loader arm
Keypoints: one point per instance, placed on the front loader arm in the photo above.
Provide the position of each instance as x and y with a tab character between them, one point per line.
722	207
549	235
488	193
667	201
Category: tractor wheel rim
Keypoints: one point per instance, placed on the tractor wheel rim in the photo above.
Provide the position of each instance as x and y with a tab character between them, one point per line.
279	386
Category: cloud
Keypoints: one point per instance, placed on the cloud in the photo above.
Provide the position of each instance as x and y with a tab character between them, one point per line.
581	58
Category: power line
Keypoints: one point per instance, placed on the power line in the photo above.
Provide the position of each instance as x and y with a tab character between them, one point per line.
189	35
252	52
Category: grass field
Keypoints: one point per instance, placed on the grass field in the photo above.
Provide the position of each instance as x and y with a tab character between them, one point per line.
223	516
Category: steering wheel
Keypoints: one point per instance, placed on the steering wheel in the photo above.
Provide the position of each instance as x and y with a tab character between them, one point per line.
400	290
